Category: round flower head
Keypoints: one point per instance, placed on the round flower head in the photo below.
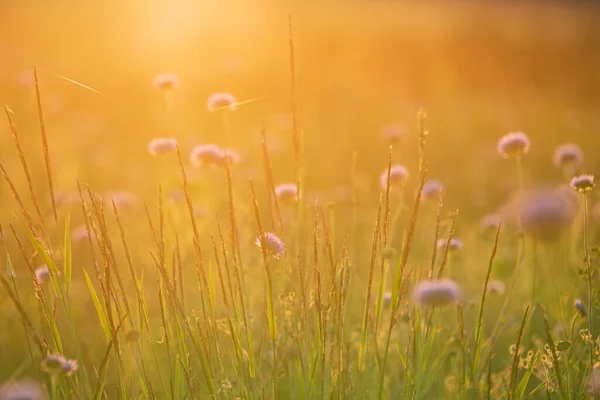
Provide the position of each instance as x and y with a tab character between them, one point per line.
580	307
42	274
398	176
206	154
455	244
431	190
582	183
22	389
567	155
231	155
221	101
394	133
497	287
79	233
545	214
53	363
69	367
271	243
166	82
287	192
121	199
437	293
513	144
161	146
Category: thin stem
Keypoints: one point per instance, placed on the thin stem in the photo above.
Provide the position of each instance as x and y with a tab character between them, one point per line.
590	293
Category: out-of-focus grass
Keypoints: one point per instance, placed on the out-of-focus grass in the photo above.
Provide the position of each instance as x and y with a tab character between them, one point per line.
480	70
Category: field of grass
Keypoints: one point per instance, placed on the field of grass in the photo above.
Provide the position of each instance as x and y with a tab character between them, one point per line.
296	258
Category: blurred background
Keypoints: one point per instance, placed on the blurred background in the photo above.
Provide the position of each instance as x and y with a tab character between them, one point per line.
480	69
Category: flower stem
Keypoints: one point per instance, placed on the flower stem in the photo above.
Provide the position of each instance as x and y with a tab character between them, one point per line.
590	293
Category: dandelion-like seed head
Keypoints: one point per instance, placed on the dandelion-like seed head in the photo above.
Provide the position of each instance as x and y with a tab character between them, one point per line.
567	155
162	146
206	154
22	389
393	133
580	307
287	193
455	244
398	176
437	293
273	245
431	190
582	183
545	214
221	101
513	144
166	82
496	287
53	363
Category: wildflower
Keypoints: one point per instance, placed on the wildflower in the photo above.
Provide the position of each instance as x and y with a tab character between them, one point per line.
161	146
580	307
497	287
22	389
53	363
398	176
387	299
567	155
513	144
437	293
69	367
219	101
287	192
545	214
231	155
271	243
166	82
431	190
42	274
121	199
206	154
455	244
394	133
80	233
582	183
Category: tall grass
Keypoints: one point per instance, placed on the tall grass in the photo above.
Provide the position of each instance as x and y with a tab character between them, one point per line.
154	307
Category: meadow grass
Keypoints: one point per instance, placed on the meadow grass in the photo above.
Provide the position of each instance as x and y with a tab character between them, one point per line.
271	290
